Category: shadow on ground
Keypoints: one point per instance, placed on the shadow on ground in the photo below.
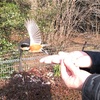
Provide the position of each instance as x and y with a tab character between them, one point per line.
24	86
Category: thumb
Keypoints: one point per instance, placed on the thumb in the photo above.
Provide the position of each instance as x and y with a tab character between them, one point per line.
71	66
64	72
67	60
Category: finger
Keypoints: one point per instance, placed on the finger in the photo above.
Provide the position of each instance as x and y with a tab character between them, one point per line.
71	66
84	61
64	73
77	53
63	54
68	62
51	59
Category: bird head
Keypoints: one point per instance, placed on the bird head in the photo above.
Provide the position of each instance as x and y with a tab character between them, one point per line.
25	46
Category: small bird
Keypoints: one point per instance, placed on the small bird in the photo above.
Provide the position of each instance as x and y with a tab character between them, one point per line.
33	43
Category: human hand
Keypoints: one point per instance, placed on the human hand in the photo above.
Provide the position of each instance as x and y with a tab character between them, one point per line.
71	74
81	59
73	77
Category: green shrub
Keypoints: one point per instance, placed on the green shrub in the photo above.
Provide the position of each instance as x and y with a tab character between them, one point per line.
11	18
5	46
6	70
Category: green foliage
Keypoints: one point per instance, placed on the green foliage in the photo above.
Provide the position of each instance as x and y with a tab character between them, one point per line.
5	46
6	70
57	70
11	18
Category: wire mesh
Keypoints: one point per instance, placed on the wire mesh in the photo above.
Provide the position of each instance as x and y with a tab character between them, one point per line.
9	62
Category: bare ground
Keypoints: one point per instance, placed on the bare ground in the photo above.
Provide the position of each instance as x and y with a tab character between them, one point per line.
39	83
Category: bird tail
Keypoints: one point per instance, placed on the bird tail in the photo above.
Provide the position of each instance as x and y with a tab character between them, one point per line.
45	51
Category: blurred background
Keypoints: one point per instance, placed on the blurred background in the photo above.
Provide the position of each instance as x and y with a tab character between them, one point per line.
58	20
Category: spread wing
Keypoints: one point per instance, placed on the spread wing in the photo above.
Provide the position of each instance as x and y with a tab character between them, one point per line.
33	31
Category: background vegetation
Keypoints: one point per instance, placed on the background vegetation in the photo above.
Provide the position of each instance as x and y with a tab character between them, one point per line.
53	16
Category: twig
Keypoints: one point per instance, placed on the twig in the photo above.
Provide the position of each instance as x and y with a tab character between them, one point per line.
84	46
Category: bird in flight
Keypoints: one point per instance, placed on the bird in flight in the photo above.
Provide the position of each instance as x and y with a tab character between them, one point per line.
33	43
